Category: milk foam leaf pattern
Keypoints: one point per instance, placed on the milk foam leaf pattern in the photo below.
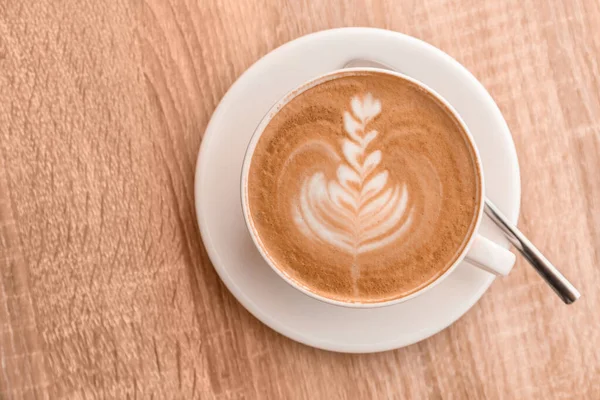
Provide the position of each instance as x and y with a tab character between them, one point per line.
362	209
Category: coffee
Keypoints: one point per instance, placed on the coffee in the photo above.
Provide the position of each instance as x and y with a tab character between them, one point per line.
364	188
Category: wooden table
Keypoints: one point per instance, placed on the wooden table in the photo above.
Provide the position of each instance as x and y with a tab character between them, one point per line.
105	288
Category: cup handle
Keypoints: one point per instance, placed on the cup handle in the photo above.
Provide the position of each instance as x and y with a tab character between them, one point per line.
490	257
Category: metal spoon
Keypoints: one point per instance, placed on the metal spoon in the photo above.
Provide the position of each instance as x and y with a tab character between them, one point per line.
557	281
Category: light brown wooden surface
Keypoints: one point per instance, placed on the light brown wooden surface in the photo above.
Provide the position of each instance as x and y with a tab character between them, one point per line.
105	289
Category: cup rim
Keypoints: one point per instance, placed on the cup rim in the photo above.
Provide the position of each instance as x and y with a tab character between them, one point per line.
282	102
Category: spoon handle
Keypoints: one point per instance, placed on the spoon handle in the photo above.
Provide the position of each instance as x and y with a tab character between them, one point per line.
557	281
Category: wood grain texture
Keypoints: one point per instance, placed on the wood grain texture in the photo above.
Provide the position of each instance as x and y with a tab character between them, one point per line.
105	288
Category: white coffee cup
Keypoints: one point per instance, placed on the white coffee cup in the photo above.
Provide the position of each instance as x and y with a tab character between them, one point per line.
479	251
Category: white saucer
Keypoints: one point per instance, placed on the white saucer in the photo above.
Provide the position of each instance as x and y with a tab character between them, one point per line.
219	211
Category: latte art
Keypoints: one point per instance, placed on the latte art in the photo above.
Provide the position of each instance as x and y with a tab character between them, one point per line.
362	188
361	209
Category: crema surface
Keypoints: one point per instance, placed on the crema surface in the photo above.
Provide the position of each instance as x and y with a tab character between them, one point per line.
363	188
